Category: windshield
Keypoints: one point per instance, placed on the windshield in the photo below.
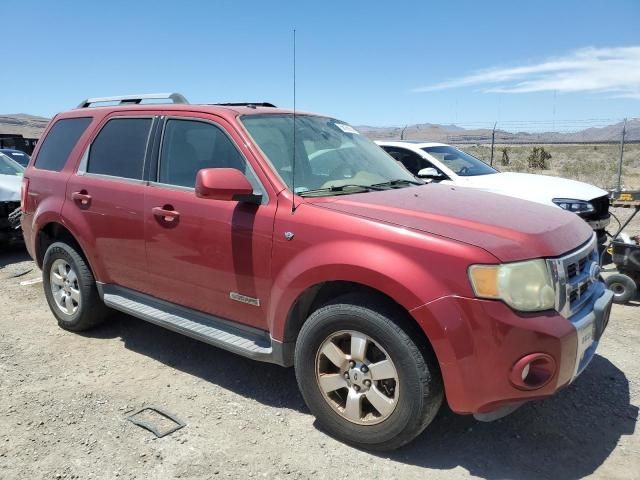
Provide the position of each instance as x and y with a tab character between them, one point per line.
330	154
9	167
460	163
20	157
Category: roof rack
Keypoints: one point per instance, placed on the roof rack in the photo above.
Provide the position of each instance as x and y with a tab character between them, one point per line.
246	104
134	99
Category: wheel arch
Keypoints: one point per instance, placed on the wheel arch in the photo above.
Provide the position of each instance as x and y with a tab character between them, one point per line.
57	232
320	294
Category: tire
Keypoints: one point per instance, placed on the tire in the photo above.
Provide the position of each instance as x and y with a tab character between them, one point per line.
624	288
416	392
85	309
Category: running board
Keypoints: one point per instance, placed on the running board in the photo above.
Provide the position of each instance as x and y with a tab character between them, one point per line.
246	341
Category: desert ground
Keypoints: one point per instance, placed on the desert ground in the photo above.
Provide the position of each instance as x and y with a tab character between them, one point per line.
592	163
65	399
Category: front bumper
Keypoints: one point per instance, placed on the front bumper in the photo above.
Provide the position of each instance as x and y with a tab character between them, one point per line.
478	343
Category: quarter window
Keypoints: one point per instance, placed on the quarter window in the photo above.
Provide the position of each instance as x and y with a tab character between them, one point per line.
119	148
59	142
190	145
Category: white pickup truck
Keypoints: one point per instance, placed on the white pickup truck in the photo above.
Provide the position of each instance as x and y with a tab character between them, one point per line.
447	164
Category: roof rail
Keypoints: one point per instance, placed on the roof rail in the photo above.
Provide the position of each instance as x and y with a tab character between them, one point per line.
134	99
246	104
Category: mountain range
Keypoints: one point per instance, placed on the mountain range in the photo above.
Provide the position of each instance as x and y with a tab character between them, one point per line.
30	126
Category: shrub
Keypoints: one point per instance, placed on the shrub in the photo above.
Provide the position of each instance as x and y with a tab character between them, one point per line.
538	158
505	157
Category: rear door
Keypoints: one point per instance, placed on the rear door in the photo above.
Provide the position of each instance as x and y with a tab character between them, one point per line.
210	255
105	199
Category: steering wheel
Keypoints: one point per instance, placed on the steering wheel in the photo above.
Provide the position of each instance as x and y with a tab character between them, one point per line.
464	171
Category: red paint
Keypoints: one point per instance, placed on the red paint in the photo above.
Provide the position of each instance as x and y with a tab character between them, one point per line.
413	244
222	184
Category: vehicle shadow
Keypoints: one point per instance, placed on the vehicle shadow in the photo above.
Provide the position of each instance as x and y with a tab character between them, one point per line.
10	254
266	383
567	436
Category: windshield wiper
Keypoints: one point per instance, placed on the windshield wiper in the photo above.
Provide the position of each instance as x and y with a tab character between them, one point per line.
341	189
398	181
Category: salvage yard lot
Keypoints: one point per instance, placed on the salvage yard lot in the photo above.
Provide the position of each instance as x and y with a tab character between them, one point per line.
64	399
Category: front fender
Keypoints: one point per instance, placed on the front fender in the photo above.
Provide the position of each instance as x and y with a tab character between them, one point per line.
390	271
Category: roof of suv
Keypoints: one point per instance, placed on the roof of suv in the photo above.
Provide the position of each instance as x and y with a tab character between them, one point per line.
171	102
190	107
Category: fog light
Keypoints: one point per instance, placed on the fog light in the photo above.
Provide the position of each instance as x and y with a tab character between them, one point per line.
533	371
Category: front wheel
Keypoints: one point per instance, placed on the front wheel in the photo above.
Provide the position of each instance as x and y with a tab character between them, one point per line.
363	377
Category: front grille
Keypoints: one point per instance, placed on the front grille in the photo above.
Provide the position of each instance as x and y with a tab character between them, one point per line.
574	269
575	278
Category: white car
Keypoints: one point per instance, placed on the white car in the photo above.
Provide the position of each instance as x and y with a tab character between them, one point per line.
10	185
447	164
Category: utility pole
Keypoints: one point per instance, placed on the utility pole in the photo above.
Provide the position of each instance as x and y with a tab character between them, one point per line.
493	141
624	131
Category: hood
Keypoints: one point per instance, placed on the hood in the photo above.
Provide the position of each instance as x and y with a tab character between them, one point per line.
538	188
511	229
10	188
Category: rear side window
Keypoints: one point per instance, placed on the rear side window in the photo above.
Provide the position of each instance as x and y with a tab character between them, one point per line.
59	142
119	148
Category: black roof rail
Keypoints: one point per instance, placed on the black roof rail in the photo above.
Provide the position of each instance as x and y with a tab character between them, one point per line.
134	99
246	104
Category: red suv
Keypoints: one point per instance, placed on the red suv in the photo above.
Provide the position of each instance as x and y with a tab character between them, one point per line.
291	238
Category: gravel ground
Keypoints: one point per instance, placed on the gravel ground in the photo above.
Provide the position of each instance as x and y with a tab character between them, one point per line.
64	399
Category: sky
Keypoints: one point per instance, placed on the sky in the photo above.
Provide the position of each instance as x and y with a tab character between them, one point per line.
561	63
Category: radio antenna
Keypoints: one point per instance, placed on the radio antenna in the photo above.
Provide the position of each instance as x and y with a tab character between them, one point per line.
293	163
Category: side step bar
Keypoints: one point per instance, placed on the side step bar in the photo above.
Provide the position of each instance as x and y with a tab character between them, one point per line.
246	341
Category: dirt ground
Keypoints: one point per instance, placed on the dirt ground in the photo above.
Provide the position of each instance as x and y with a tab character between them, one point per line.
64	399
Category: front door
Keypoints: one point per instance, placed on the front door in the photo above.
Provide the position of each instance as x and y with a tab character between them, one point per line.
210	255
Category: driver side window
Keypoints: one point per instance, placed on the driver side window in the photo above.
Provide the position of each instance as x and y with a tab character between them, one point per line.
411	160
191	145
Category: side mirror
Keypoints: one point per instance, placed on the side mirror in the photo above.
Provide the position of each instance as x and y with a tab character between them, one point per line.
225	184
429	173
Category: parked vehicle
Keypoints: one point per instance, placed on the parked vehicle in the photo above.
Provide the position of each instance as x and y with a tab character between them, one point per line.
624	251
16	155
387	295
447	164
10	183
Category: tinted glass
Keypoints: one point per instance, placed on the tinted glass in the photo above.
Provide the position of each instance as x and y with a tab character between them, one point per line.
20	157
410	160
189	146
329	153
460	162
9	167
119	148
59	142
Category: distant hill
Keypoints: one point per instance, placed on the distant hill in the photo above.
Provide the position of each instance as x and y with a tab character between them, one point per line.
454	134
31	126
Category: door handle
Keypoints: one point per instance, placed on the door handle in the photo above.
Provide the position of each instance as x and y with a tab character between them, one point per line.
81	197
166	213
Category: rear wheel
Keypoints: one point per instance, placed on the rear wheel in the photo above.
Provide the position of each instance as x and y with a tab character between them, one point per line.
70	289
363	377
624	288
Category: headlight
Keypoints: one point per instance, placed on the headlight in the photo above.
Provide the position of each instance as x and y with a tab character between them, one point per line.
524	286
575	206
